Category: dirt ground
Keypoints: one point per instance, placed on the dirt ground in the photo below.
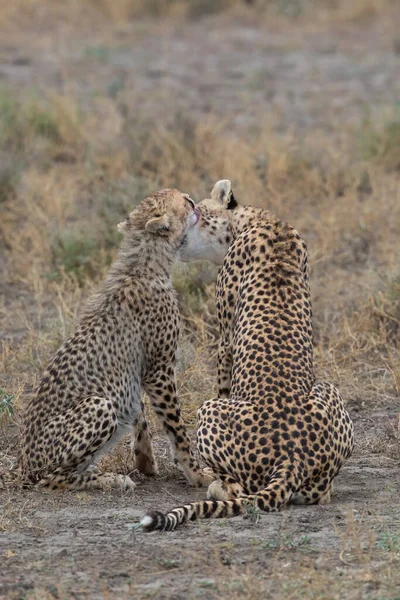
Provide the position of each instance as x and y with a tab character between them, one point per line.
79	545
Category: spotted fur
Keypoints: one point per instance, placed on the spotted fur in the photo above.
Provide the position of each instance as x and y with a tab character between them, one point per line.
274	434
90	394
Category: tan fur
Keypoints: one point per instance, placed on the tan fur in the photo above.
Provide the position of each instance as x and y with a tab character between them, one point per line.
126	341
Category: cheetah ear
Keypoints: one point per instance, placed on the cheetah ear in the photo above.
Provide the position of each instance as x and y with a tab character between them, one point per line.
123	226
222	193
158	225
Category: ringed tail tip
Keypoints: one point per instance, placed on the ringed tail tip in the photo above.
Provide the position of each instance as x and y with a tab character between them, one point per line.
153	521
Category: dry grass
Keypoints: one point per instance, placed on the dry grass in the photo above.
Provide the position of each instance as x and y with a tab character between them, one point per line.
75	182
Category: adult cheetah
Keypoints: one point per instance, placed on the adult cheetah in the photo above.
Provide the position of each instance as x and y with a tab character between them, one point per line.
274	434
90	394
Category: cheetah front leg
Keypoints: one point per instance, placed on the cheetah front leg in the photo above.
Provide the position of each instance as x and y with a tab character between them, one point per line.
224	369
162	392
142	447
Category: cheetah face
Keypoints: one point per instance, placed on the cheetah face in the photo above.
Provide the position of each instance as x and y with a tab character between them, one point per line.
210	237
167	213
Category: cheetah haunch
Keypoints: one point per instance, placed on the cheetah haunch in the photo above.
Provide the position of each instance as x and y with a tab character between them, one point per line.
274	434
90	395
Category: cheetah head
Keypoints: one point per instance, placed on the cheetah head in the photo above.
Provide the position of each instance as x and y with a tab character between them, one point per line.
165	215
210	238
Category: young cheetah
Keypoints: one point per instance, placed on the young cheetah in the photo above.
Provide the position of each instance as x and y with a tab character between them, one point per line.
274	434
90	395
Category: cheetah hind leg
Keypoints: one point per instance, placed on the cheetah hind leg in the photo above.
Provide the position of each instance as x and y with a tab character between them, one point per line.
89	480
312	495
142	447
88	431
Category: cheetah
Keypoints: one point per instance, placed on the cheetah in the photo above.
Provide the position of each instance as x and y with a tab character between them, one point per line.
274	435
90	395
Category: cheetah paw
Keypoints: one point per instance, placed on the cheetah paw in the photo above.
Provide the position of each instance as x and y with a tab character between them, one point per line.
220	490
217	491
123	482
126	483
205	477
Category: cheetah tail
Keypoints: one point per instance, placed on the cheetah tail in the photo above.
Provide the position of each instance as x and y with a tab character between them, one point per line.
204	509
272	498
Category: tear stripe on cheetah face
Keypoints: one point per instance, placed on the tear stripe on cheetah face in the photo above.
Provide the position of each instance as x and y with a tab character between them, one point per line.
90	394
274	434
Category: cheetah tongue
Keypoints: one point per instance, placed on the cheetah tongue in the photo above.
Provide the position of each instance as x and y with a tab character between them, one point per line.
197	214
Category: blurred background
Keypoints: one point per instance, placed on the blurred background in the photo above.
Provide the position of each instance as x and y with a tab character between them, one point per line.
296	101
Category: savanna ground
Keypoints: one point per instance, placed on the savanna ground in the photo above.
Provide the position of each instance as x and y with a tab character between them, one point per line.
298	103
